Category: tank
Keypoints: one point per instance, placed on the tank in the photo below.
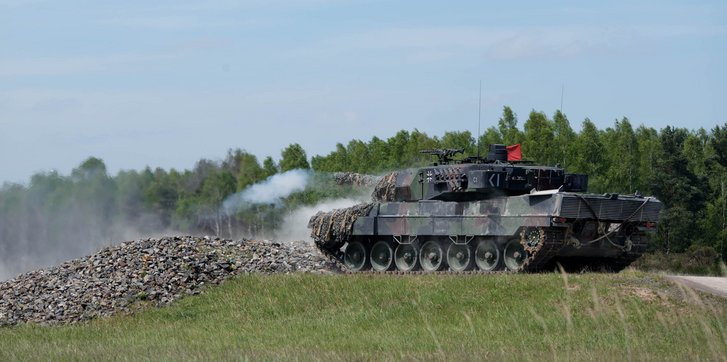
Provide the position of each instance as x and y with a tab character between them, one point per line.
489	214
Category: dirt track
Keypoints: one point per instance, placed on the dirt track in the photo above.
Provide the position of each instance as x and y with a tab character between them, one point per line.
714	285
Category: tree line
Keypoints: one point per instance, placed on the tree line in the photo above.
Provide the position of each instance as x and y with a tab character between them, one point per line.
686	169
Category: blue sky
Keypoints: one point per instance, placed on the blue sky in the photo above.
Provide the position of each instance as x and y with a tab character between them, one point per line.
165	83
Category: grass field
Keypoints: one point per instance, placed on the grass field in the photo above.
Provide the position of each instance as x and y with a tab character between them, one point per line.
631	315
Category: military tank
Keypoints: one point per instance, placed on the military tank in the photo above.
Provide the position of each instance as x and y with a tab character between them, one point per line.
487	214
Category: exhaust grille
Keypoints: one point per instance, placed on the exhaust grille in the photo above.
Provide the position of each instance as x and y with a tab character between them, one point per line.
610	210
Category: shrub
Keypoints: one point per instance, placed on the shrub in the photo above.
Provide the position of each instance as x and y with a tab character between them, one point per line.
697	260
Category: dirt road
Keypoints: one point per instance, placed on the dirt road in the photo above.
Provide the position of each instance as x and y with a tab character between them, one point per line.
715	285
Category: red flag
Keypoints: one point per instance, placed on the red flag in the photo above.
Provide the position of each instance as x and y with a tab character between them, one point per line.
514	153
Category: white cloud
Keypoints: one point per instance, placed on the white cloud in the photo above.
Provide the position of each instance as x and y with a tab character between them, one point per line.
237	4
18	3
432	44
424	37
162	22
184	21
681	30
74	65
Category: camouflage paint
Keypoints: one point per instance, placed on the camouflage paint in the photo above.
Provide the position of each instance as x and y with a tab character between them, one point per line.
499	216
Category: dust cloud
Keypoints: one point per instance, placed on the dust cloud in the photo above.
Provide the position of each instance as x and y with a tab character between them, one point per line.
58	218
295	223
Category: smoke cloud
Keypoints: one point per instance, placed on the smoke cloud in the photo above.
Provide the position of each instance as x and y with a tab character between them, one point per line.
295	223
270	191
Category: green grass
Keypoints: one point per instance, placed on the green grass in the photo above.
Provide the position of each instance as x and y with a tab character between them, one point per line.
591	316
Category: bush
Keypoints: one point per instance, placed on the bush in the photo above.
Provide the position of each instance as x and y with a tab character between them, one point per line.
697	260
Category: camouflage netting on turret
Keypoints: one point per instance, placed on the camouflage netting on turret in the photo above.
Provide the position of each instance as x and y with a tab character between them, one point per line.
385	190
331	230
355	179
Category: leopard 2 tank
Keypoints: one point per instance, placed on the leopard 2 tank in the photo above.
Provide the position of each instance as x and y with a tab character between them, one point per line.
487	214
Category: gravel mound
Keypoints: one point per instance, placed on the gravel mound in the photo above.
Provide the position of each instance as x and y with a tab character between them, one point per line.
158	271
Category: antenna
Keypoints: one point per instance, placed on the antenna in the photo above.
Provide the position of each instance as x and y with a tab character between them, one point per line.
562	90
479	117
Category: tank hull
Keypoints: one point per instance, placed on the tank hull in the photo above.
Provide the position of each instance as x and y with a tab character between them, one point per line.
538	230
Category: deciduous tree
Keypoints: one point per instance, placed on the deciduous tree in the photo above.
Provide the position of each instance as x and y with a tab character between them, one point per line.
293	157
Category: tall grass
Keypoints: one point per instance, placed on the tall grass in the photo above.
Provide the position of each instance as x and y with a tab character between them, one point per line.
630	315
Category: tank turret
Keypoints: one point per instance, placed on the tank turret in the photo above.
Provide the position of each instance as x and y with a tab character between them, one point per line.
476	178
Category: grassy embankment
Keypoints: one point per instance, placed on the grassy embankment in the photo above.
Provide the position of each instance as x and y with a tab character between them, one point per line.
590	316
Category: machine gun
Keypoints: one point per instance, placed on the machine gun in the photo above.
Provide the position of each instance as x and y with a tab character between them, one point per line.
444	154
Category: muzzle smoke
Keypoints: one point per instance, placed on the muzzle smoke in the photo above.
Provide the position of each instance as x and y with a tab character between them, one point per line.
270	191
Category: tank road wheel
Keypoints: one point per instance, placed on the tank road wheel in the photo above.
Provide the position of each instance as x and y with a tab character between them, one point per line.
459	257
515	255
382	256
354	257
431	257
487	255
405	257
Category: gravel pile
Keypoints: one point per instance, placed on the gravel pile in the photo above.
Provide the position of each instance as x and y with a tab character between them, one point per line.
158	271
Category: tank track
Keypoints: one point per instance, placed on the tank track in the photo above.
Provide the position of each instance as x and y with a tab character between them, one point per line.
550	242
614	265
334	256
638	248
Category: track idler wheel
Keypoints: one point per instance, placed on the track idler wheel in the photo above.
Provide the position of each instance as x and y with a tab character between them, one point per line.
382	256
355	257
406	257
431	256
487	255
